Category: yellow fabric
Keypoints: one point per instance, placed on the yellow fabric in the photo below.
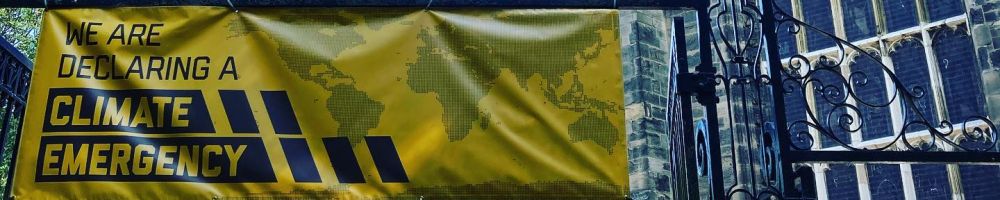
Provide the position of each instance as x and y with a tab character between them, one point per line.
479	104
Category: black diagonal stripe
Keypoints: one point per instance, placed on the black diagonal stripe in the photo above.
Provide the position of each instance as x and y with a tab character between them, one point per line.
300	160
238	111
345	163
386	159
279	109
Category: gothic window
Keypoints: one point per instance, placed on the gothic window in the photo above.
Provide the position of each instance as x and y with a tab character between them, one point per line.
960	77
910	64
868	83
829	94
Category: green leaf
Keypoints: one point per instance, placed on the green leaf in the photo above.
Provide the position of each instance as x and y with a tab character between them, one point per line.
20	27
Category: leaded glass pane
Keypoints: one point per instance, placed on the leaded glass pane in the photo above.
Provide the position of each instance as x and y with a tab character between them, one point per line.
868	82
842	182
859	19
818	14
931	181
829	94
943	9
900	14
979	182
885	181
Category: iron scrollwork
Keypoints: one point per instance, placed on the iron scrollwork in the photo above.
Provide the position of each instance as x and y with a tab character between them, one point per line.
836	107
846	114
738	41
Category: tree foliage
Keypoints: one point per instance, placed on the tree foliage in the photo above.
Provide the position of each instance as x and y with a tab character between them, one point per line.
20	27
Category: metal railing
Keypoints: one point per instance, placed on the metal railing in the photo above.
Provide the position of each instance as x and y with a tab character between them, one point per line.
15	74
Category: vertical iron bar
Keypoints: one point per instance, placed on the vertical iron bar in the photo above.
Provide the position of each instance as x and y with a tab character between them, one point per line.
19	110
770	31
6	102
13	90
5	56
714	151
688	178
5	78
709	99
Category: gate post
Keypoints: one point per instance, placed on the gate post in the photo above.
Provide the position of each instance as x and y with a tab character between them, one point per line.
701	85
687	177
708	98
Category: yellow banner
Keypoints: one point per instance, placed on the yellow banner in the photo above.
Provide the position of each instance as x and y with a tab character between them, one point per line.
205	102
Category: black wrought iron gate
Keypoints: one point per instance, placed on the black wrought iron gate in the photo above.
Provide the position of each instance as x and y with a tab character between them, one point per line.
15	73
770	113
